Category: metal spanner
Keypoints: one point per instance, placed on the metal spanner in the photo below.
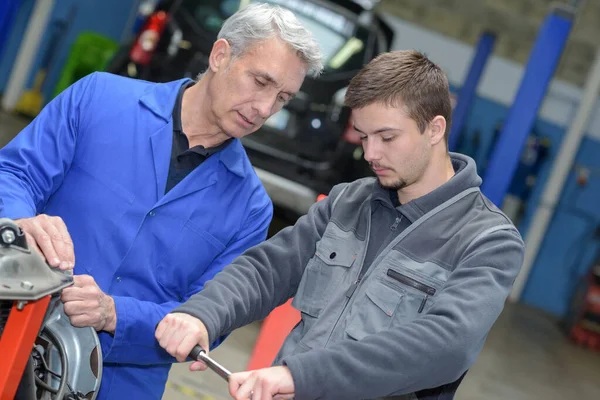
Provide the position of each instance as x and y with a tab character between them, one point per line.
199	354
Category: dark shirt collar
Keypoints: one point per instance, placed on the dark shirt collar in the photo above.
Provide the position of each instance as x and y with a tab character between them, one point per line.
183	146
415	209
177	107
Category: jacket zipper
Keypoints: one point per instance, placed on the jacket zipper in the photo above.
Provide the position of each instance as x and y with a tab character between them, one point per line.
428	290
364	268
411	282
354	285
396	223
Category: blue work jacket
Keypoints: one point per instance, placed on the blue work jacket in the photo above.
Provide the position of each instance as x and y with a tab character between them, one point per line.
98	156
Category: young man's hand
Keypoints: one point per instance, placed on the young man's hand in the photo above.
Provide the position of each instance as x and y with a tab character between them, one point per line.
178	333
262	384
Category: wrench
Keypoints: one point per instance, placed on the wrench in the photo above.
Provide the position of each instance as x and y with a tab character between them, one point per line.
199	354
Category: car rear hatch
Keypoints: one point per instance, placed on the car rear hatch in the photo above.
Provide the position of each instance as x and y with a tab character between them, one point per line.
307	131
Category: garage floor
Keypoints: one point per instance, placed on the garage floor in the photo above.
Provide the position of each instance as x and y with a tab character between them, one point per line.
526	356
10	125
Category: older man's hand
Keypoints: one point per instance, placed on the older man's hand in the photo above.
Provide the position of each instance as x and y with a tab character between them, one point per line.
49	237
87	305
262	384
178	333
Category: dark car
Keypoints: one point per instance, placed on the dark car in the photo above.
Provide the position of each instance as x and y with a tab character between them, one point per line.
306	148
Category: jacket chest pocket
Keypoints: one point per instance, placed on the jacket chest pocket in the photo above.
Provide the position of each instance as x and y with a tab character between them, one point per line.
187	260
392	297
323	274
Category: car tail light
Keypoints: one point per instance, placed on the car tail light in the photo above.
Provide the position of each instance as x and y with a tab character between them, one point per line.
147	40
351	136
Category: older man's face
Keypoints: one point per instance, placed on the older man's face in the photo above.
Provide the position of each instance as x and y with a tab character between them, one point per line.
255	86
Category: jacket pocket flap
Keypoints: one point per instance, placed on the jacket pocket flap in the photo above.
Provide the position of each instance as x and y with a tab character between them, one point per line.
375	311
385	297
335	252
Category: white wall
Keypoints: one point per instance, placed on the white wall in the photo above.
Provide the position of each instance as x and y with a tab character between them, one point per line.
500	79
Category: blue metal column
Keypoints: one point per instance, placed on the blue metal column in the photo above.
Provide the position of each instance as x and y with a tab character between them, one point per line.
8	11
540	68
484	49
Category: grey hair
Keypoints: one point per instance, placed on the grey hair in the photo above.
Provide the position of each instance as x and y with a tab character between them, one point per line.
260	21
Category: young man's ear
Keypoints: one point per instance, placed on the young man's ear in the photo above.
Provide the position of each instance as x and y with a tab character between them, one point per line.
220	55
437	129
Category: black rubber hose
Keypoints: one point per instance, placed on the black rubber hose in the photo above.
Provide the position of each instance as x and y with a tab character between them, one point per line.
44	385
64	371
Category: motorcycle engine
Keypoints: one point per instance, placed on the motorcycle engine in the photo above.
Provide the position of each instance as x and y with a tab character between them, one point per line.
43	356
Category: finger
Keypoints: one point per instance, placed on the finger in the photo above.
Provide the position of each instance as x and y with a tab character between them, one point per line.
247	386
80	321
286	396
187	341
56	239
83	280
163	328
33	245
73	308
71	293
67	255
198	366
182	342
237	378
257	393
263	388
44	242
235	381
160	330
165	341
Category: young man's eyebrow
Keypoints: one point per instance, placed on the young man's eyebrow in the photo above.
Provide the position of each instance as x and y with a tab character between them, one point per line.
380	130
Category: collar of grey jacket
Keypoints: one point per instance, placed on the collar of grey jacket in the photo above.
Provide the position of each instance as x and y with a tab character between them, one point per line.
464	178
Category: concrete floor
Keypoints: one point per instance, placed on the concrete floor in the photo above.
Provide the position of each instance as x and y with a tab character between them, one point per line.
526	356
10	125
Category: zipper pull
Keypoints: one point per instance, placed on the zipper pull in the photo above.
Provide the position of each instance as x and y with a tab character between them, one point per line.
423	304
396	223
352	288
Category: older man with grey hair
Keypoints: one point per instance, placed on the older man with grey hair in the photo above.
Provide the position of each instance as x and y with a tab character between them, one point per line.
150	188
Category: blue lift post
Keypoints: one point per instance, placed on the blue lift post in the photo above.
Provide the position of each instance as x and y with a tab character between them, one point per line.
540	68
8	12
484	49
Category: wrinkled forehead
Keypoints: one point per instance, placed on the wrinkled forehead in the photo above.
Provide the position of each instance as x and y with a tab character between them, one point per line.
276	62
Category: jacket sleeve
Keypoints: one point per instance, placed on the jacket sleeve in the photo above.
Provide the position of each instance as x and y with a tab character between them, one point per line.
34	163
428	352
133	341
261	279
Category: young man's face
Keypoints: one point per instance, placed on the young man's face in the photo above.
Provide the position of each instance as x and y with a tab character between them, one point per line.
249	89
393	146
